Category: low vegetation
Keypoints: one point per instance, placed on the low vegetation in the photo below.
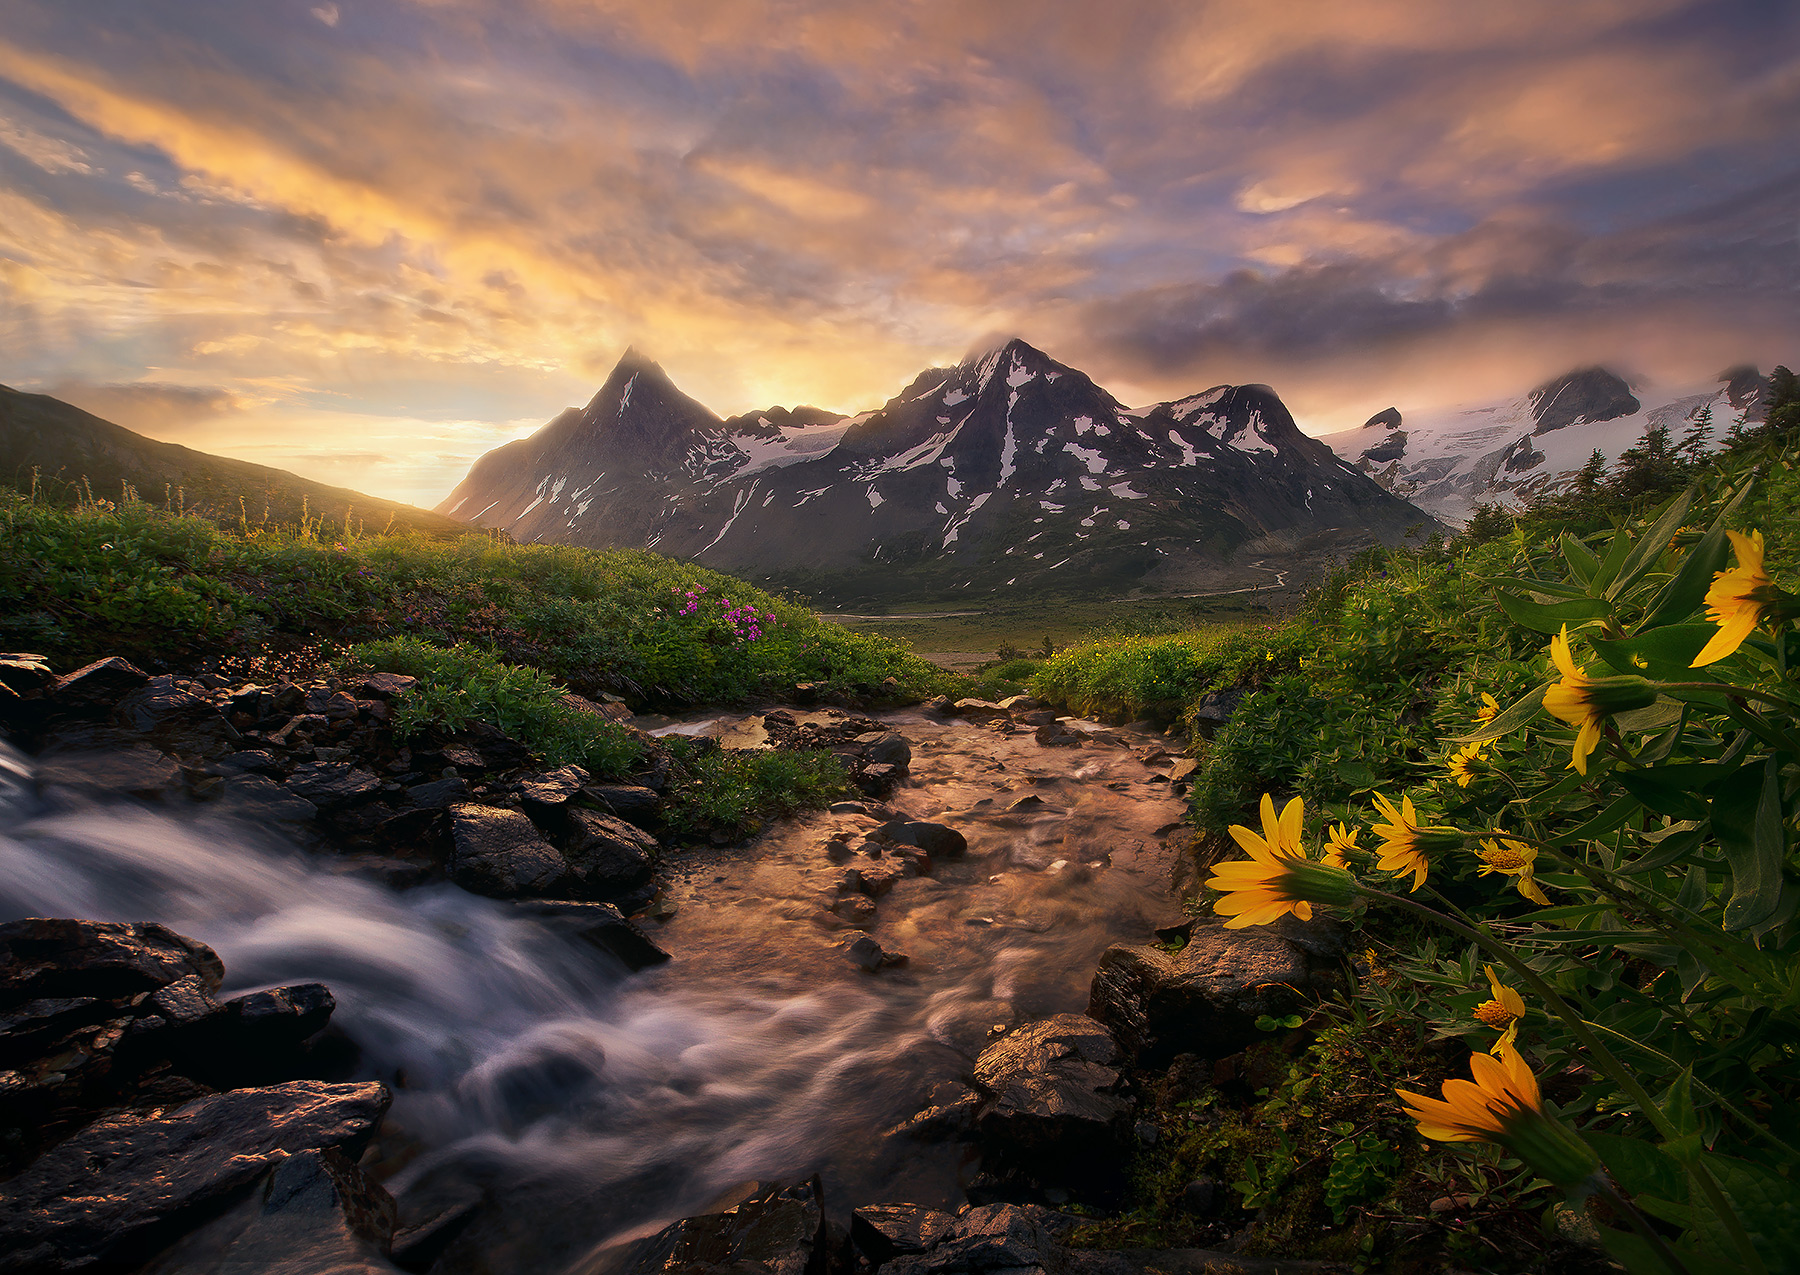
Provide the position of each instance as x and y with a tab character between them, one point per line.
1546	774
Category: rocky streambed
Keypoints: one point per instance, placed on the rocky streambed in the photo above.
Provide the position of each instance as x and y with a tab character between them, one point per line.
524	1036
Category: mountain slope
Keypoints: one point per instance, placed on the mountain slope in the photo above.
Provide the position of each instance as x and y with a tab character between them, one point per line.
69	447
1449	461
1008	470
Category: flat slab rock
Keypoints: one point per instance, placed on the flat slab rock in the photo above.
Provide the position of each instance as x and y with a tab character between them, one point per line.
52	957
1052	1092
117	1191
500	853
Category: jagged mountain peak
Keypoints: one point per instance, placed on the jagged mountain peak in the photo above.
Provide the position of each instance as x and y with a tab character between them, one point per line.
1582	397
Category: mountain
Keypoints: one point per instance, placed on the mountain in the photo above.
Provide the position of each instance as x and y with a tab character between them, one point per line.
1448	461
1009	470
69	448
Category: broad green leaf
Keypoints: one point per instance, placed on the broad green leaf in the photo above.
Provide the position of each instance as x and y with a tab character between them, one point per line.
1661	653
1551	617
1650	546
1635	1254
1687	590
1670	790
1617	550
1677	1103
1614	816
1509	719
1767	1205
1640	1167
1746	818
1357	774
1658	716
1583	561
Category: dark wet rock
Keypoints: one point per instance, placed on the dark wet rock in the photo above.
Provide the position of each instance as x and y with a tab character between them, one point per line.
871	877
1189	1261
777	1231
179	716
940	706
313	1212
340	707
115	1193
1206	997
992	1238
385	685
1056	735
886	748
418	1244
866	954
135	771
330	784
856	909
500	853
877	779
940	841
52	957
1017	704
978	710
23	673
1214	710
630	802
253	761
263	799
1200	1196
546	797
93	690
607	854
882	1232
601	924
1036	717
951	1115
281	1018
302	726
1052	1096
439	794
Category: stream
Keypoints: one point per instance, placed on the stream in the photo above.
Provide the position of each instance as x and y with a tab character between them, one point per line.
585	1106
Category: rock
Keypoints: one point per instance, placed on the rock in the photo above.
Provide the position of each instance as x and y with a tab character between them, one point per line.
439	794
866	954
1052	1101
951	1115
302	726
178	714
23	673
419	1245
630	802
139	771
940	706
879	778
885	1231
601	924
315	1211
385	685
500	853
606	853
91	691
777	1231
1056	735
112	1194
1214	710
940	841
1016	704
992	1238
1200	1195
265	800
1181	768
330	784
885	748
54	958
1204	998
857	909
253	761
978	710
847	808
1035	718
546	797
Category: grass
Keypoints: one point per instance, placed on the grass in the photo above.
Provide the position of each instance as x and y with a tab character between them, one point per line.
1063	620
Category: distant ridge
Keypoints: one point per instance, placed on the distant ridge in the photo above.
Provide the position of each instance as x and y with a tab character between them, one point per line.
70	448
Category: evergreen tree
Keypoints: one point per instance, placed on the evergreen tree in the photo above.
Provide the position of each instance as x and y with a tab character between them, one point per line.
1740	435
1692	447
1647	468
1592	475
1783	401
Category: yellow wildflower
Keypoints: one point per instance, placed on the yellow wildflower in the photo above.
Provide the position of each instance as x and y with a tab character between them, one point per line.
1586	702
1502	1013
1503	1105
1490	709
1735	601
1512	859
1340	841
1278	878
1404	842
1461	769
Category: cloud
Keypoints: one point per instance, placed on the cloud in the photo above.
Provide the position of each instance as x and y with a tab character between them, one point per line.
147	407
326	13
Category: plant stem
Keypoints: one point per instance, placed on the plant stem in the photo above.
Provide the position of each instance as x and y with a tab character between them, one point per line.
1643	1228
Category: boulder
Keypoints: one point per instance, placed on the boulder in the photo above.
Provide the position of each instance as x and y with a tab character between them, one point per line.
314	1211
992	1238
885	748
385	685
866	954
882	1232
113	1194
601	924
254	761
546	797
1206	997
978	710
1056	735
23	673
439	794
1016	704
500	853
940	841
264	800
1053	1104
179	716
93	690
331	784
630	802
54	958
1214	710
607	854
777	1231
136	771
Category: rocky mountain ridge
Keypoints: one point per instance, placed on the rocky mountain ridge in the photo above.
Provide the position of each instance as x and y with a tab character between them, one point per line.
1009	469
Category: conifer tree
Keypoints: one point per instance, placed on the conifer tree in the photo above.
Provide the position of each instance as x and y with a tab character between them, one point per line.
1692	447
1592	474
1783	401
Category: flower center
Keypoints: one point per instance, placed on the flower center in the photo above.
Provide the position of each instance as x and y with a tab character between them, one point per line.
1494	1014
1505	860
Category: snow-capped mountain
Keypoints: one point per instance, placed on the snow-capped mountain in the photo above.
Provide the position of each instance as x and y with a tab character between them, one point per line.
1448	461
1008	469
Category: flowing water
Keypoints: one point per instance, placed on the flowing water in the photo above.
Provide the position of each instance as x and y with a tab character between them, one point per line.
584	1105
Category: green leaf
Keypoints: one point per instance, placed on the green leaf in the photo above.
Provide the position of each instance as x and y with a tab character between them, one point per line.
1616	550
1606	821
1664	653
1651	545
1638	1166
1551	617
1636	1254
1746	818
1359	775
1766	1204
1669	790
1665	712
1682	595
1507	720
1583	562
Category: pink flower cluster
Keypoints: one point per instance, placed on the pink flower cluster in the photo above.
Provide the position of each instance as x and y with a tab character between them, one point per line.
745	621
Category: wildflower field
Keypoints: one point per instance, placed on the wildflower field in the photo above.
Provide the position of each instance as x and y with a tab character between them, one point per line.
1549	783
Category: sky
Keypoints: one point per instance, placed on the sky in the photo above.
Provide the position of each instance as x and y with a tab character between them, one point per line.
368	240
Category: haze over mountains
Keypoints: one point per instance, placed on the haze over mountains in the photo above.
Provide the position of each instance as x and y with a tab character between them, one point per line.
1450	460
1007	471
